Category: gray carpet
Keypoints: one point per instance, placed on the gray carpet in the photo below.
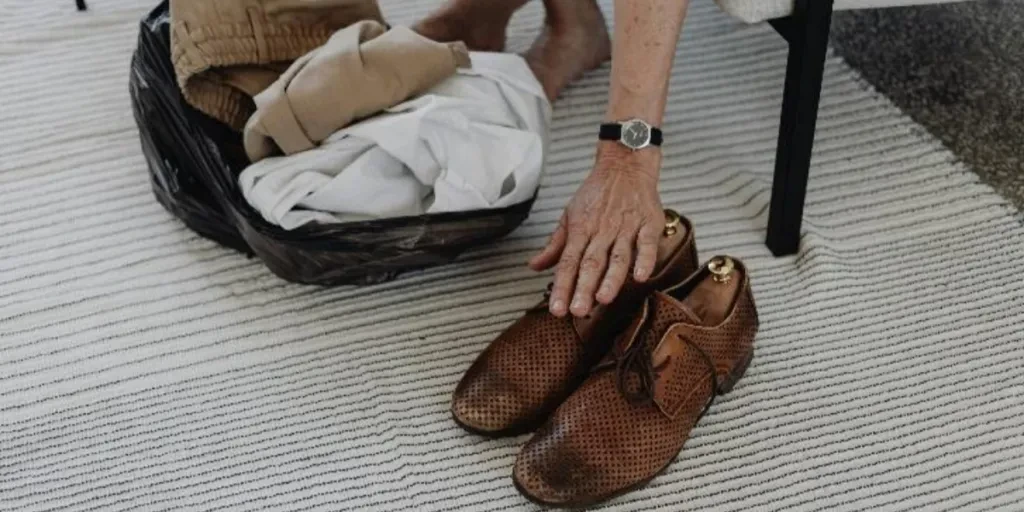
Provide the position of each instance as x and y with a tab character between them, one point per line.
958	70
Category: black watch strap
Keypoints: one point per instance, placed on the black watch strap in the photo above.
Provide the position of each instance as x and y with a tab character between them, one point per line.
655	136
613	131
610	131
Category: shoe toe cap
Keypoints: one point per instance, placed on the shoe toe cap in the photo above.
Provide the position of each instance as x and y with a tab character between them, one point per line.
488	408
556	477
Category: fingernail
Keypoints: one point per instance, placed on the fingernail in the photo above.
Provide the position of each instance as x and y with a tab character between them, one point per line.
577	303
640	272
558	306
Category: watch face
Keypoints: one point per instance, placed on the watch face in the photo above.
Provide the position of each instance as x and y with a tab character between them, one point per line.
635	134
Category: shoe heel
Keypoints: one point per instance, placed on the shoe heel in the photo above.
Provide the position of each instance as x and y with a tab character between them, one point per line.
736	374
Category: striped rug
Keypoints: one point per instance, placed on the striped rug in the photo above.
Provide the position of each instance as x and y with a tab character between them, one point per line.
142	368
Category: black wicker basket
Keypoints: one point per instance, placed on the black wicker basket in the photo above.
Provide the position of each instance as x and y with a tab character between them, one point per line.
194	163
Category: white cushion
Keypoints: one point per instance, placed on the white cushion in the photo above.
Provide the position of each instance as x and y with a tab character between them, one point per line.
753	11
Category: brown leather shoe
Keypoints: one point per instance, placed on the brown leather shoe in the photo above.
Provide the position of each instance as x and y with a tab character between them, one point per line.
630	418
540	359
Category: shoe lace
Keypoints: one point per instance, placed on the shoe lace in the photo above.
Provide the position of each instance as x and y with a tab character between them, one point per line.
637	360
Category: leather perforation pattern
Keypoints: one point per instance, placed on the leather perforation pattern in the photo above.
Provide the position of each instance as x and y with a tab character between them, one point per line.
540	359
629	420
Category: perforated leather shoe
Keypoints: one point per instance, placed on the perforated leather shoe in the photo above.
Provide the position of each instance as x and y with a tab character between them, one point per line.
631	417
525	373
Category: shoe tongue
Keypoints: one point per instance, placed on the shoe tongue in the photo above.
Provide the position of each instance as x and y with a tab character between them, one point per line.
666	306
663	312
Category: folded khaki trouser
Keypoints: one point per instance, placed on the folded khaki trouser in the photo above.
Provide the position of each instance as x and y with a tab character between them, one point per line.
226	51
360	71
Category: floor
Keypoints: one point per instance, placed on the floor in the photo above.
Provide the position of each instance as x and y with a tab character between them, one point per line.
145	368
958	70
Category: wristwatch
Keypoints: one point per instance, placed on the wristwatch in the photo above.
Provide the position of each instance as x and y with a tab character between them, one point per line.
634	134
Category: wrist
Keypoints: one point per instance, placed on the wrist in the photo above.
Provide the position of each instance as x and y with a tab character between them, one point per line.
613	155
651	119
648	106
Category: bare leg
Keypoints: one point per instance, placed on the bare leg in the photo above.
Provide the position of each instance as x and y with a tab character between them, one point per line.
574	41
480	24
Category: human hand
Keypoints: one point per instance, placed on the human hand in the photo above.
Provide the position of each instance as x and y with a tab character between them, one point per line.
615	214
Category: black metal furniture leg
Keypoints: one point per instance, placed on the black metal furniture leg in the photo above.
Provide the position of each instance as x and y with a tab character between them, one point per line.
807	32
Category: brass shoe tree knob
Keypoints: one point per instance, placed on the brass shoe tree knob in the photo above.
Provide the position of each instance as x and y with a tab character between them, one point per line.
721	268
672	222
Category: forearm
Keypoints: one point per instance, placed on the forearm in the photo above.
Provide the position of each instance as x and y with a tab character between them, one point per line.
643	48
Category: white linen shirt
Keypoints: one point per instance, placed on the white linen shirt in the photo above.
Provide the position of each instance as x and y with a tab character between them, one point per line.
475	141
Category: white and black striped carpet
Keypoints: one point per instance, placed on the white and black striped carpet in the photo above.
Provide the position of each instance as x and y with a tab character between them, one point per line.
142	368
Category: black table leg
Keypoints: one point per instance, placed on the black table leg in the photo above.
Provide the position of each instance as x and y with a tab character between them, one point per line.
807	33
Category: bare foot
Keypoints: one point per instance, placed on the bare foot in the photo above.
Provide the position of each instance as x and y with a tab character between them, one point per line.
480	24
574	40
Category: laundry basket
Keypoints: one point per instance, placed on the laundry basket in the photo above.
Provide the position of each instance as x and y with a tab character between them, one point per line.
194	163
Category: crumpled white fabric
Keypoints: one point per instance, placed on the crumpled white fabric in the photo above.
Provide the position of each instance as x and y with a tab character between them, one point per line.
477	140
